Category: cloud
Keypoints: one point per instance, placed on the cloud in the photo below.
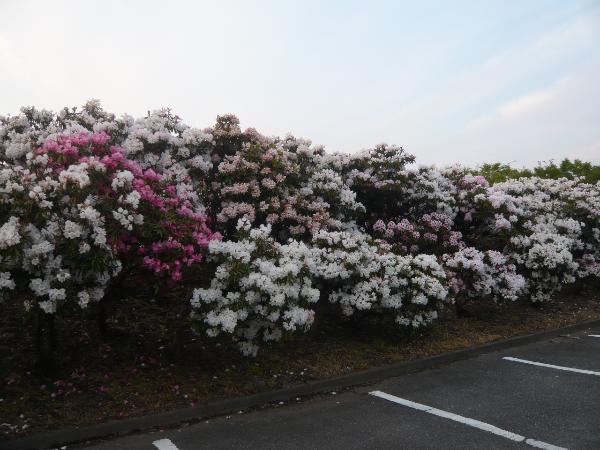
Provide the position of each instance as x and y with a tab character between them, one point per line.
505	69
560	121
454	122
518	107
527	103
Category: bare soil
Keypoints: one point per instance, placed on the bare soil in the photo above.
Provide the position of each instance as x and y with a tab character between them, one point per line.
145	365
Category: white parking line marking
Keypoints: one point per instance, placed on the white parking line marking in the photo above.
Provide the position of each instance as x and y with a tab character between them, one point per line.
594	335
164	444
541	444
552	366
466	421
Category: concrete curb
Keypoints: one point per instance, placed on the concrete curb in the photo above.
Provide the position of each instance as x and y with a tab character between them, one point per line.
123	427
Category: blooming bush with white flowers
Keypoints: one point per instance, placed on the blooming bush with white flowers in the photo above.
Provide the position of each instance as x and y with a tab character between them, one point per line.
364	276
476	274
260	289
88	198
546	228
471	273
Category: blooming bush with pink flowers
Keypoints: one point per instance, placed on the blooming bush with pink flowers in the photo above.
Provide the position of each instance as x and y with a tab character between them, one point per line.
280	182
80	213
88	199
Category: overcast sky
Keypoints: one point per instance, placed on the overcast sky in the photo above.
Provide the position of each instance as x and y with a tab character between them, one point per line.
451	81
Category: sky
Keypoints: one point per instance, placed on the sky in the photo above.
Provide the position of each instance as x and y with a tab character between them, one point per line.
465	82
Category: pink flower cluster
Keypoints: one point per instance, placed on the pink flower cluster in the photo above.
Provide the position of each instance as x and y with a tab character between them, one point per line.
474	182
432	234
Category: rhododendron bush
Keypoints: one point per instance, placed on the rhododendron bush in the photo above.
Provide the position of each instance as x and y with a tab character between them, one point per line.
260	288
80	212
271	226
362	275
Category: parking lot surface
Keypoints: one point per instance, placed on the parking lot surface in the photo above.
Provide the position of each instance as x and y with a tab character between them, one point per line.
541	395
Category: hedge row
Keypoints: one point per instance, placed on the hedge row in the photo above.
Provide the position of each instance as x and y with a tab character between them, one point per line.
266	228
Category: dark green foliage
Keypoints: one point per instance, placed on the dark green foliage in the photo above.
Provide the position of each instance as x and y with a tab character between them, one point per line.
498	172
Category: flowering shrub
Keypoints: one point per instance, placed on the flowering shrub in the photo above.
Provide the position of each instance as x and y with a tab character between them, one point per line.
471	273
60	257
432	234
260	288
363	276
80	209
475	274
377	176
88	199
281	182
232	173
546	228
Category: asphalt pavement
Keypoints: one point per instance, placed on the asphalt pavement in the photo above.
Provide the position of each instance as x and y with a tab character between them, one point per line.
540	395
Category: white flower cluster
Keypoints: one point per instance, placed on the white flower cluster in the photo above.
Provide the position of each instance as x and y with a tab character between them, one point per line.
56	234
6	283
364	276
9	233
123	178
76	174
550	238
72	230
127	219
260	289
